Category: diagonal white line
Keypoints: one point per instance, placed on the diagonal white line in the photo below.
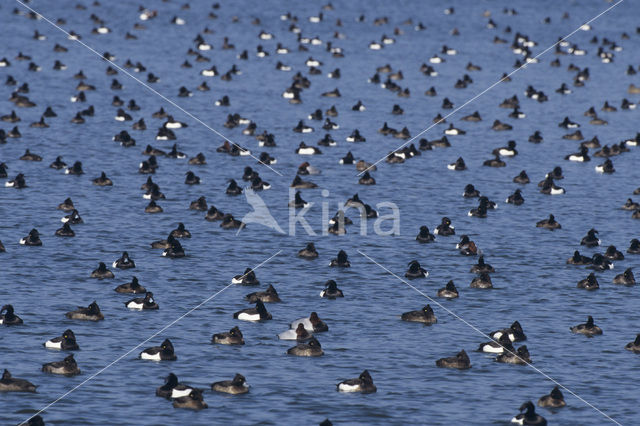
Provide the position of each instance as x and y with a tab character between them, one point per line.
146	86
493	85
476	329
94	375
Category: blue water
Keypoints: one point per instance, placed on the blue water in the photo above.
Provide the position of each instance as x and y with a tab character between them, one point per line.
532	282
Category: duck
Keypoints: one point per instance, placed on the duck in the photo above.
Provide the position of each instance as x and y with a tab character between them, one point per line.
309	252
180	231
18	182
606	167
164	352
312	323
481	266
499	345
299	333
416	271
483	280
90	313
229	222
238	385
550	188
520	357
33	239
449	291
299	183
590	240
124	262
445	228
589	283
589	329
103	180
233	188
362	384
198	160
193	401
76	169
460	361
9	318
366	179
331	290
259	313
101	272
515	198
29	156
529	417
174	251
270	295
143	303
172	388
631	346
67	367
508	151
634	246
341	260
248	278
514	333
65	231
72	218
424	236
626	278
199	204
8	383
549	223
424	315
581	156
494	162
458	165
231	337
578	259
555	399
630	205
613	254
307	169
470	191
500	126
133	287
66	342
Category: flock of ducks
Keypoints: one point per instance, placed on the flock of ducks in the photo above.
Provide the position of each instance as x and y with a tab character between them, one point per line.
304	331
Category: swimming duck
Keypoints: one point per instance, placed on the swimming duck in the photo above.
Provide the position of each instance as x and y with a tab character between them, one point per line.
470	191
313	323
236	386
589	283
33	239
103	180
613	254
311	349
449	291
590	240
331	290
9	383
180	231
259	313
90	313
550	188
132	287
248	278
299	333
500	345
416	271
460	361
101	272
514	332
193	401
199	204
362	384
578	259
589	329
164	352
124	262
445	228
58	164
72	218
549	223
630	205
515	198
76	169
634	246
172	388
9	318
494	162
481	266
508	151
579	156
466	246
152	207
626	278
483	280
341	260
424	315
143	303
458	165
198	160
424	236
66	342
232	337
631	346
17	182
270	295
29	156
228	222
67	367
309	252
554	400
520	357
529	417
